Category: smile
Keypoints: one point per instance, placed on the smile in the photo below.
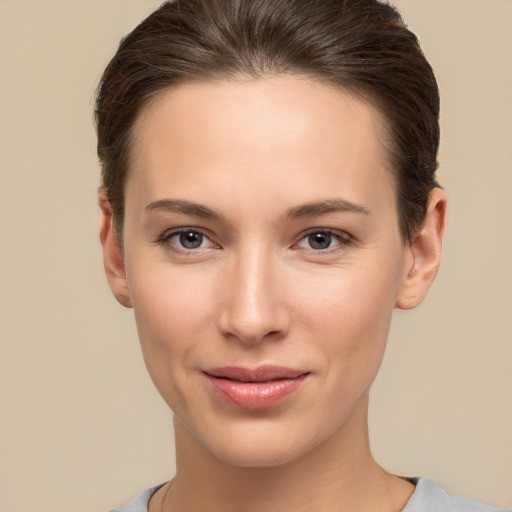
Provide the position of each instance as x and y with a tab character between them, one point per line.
259	388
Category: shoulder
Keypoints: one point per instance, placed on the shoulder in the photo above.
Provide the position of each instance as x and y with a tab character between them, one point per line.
429	497
139	503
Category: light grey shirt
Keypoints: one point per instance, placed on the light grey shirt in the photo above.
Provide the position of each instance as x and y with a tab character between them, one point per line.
427	497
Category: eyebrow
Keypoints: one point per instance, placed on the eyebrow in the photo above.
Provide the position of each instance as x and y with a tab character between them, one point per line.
312	209
332	205
186	207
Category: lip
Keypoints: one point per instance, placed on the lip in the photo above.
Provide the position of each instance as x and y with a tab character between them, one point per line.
258	388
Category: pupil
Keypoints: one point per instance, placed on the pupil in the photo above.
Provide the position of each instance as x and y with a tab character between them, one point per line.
191	240
320	240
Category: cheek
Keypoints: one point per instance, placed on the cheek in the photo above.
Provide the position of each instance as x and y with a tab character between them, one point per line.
172	311
168	301
349	313
359	297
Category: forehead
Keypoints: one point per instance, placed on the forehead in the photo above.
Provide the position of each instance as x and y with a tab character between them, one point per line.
255	134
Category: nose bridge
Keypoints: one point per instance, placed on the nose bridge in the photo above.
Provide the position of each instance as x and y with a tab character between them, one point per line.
254	307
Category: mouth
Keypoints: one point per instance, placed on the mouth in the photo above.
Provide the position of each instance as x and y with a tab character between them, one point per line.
259	388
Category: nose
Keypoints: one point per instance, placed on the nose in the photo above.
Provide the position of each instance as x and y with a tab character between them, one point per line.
253	308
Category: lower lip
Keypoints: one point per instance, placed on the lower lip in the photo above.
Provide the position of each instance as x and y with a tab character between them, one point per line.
255	395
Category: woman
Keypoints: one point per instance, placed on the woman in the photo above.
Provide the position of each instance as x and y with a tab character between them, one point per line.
268	199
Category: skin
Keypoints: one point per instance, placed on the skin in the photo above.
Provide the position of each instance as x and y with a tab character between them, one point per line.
256	291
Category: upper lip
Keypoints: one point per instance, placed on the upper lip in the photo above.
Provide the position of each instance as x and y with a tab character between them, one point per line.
262	373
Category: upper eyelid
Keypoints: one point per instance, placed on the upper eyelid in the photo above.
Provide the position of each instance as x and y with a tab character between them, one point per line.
168	234
344	241
335	232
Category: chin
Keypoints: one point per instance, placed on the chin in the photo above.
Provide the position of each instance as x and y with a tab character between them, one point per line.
265	445
257	456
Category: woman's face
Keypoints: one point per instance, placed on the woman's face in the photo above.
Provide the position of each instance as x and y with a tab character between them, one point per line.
263	261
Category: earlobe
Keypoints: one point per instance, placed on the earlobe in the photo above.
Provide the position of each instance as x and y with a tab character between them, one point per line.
113	259
423	254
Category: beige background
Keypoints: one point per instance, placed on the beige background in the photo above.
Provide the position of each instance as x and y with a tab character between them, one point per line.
81	427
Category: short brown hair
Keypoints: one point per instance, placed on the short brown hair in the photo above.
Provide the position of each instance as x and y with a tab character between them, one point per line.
360	45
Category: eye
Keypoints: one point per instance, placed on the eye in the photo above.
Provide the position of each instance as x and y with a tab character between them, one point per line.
190	239
186	239
323	239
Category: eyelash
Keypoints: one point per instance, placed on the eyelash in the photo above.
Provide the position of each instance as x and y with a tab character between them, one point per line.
344	240
165	240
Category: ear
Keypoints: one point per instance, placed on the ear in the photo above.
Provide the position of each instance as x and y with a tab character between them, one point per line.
423	254
113	259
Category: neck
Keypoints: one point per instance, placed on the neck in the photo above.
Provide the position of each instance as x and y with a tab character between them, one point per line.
339	475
